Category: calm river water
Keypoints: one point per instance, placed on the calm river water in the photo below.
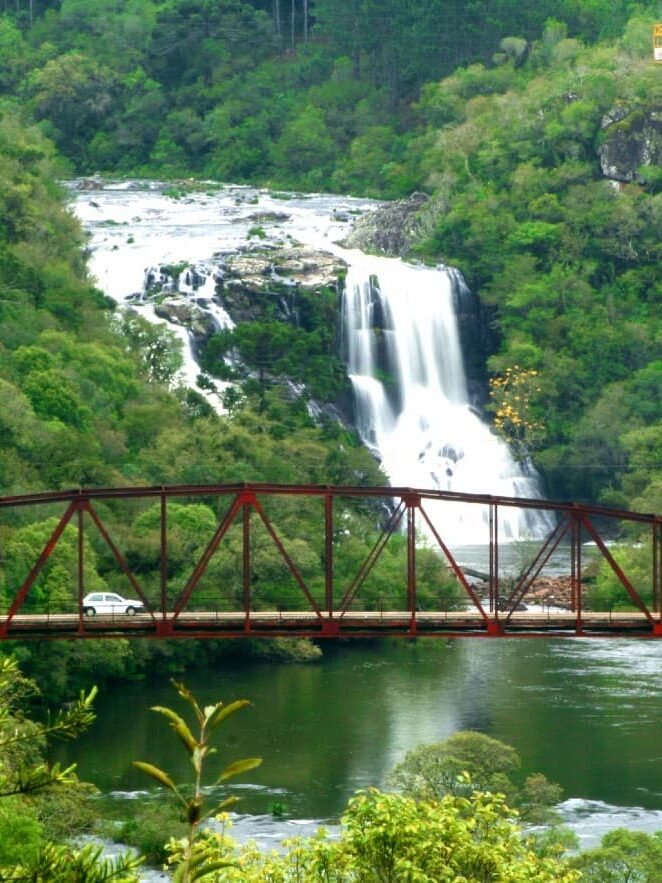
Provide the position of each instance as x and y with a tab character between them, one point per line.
587	713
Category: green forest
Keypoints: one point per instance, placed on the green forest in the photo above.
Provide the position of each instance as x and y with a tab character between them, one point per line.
504	114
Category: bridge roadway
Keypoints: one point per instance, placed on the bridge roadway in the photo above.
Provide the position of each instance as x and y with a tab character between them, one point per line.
365	624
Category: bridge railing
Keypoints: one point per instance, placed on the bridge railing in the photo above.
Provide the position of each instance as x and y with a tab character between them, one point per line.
343	559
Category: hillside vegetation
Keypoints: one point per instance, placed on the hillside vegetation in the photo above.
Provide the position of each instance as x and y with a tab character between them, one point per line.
568	260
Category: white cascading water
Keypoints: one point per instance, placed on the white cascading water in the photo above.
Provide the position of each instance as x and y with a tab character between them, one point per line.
420	423
405	364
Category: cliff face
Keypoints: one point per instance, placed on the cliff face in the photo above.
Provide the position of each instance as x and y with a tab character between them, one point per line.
632	143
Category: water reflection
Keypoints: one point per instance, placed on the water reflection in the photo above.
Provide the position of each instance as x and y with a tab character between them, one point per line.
587	713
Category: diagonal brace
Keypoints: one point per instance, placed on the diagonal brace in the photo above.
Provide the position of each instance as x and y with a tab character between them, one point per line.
545	552
373	555
455	567
119	558
632	592
43	558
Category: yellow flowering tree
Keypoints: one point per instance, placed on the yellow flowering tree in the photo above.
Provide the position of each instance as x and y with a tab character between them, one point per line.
512	401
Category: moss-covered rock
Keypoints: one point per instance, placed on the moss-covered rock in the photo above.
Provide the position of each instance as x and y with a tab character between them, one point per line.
632	141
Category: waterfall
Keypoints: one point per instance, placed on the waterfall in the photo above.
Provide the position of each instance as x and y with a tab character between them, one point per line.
412	407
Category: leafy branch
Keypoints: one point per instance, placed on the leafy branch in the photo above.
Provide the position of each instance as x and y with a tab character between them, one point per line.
67	723
195	865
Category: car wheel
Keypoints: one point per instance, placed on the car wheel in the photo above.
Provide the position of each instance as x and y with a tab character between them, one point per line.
130	611
89	611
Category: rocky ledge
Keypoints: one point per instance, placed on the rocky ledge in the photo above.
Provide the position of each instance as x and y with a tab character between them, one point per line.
297	265
182	309
244	283
264	278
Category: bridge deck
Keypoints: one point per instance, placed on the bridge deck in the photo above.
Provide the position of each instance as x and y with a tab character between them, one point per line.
352	625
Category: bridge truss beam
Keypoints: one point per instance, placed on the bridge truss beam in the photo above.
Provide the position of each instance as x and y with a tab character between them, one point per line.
325	607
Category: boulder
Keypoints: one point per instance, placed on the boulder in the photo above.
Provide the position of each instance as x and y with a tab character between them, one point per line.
269	217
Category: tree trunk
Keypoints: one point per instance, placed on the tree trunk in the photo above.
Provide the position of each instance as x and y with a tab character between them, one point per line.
292	24
276	13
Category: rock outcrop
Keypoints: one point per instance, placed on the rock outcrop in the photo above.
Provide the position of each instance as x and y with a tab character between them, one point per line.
632	141
275	278
391	229
299	265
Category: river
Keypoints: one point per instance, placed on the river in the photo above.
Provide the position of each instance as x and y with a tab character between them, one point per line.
586	713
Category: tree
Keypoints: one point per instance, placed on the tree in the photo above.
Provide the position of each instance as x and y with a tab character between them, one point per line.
75	93
305	151
429	772
622	857
391	838
158	348
513	396
54	590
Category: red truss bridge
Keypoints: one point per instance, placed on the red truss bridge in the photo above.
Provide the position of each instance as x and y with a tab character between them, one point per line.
326	585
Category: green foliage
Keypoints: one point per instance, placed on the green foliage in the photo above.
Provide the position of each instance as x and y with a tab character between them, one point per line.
34	795
21	834
58	863
565	261
607	592
75	93
156	346
54	591
469	761
277	351
150	828
223	89
622	857
389	837
511	401
194	864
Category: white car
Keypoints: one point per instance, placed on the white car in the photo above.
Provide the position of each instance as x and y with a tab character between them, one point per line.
109	602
